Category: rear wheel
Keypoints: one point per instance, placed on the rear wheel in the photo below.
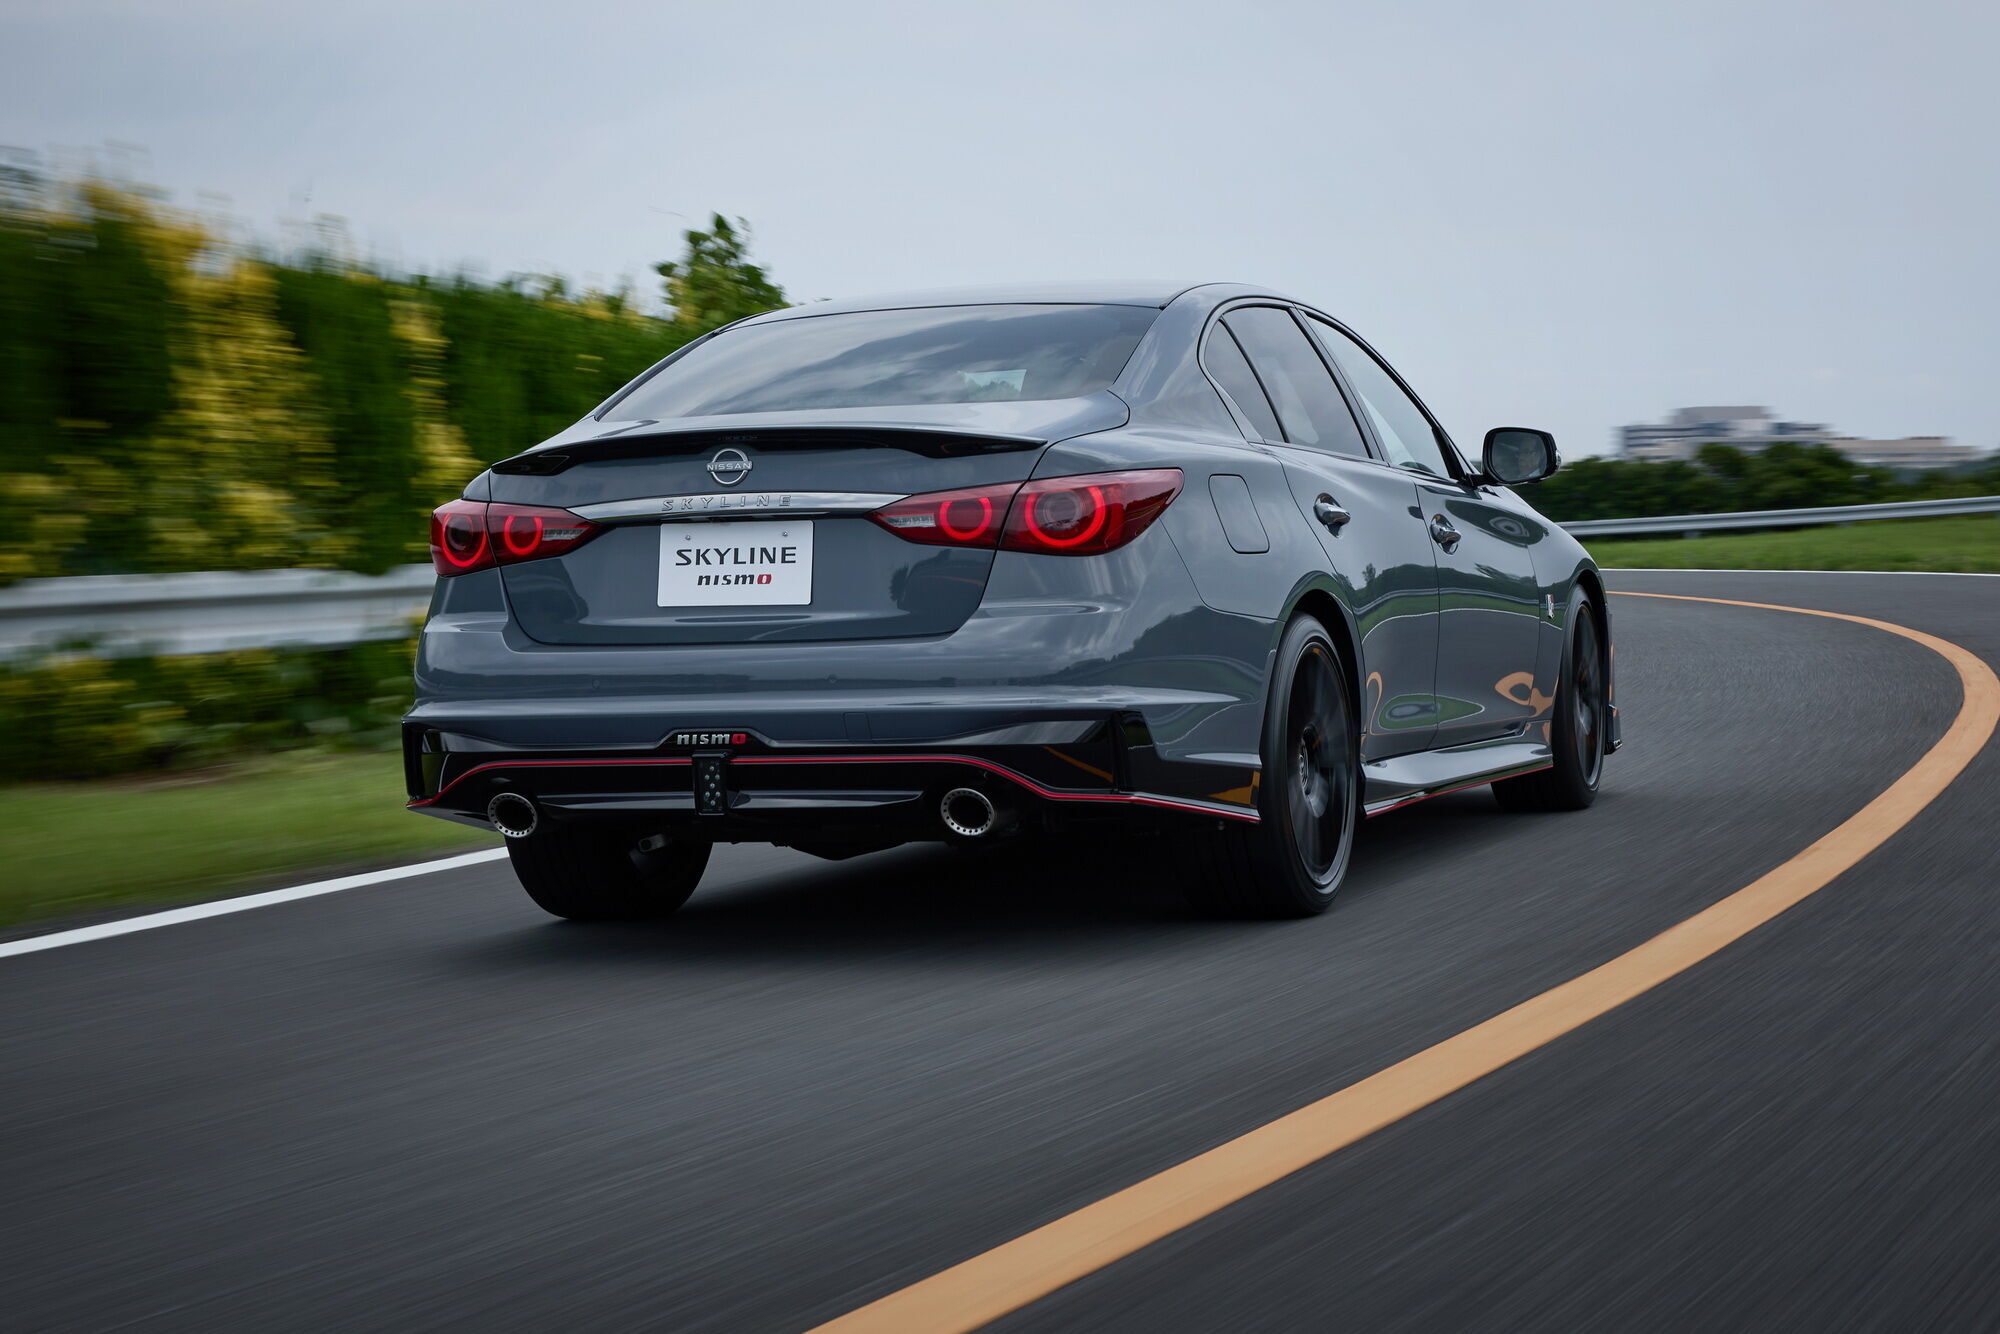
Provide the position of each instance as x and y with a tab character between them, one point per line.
1290	863
601	875
1576	733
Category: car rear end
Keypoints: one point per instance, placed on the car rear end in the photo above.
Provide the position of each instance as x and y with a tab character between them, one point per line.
836	582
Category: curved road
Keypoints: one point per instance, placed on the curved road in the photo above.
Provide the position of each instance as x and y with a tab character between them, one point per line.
421	1104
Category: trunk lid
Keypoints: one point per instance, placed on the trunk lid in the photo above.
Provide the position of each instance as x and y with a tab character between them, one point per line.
754	527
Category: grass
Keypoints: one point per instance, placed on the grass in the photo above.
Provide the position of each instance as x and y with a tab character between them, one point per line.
1968	544
75	848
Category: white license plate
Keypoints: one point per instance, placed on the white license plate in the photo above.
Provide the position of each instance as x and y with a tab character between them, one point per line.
754	563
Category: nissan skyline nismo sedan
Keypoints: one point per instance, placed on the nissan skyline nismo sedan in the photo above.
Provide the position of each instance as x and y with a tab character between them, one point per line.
1187	570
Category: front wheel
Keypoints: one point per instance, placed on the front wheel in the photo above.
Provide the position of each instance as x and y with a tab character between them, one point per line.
1576	733
1291	862
601	875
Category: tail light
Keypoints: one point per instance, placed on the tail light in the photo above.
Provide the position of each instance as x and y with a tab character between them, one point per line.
968	518
1082	516
469	535
1057	516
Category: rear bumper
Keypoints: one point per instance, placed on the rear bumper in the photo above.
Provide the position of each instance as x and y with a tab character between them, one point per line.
1055	695
738	786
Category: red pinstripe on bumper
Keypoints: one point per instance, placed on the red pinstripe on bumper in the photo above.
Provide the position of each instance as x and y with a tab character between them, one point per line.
1021	780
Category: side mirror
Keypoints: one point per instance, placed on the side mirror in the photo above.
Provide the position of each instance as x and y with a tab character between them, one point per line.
1517	455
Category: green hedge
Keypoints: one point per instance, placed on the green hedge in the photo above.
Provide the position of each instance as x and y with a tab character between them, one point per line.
172	402
1724	479
73	716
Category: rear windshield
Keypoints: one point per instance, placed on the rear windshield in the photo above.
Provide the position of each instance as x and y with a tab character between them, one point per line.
942	354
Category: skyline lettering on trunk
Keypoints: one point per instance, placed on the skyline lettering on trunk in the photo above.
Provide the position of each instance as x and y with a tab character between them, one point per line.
747	500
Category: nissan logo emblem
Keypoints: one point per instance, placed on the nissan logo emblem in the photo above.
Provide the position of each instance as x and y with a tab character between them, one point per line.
729	467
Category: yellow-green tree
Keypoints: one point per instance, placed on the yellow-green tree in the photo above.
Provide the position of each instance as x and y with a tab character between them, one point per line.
169	400
443	463
237	473
715	283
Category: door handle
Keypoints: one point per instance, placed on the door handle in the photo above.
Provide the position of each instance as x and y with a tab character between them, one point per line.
1329	513
1443	533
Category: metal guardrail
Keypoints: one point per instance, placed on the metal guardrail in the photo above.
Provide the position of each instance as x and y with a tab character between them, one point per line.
125	615
1692	524
121	615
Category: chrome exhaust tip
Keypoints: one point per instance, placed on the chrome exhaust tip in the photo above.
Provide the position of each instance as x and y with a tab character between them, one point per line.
968	812
512	814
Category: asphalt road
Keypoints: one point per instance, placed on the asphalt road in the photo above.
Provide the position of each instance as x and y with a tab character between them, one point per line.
423	1104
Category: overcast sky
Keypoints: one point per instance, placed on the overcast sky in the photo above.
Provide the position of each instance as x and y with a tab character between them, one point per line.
1567	216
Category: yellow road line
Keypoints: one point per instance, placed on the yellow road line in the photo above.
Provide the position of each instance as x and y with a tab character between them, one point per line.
1008	1277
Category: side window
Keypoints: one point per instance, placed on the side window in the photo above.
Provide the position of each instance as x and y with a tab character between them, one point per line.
1226	362
1404	429
1302	389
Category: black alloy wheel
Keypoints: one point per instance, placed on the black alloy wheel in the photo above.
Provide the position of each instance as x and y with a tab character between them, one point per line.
1586	702
1321	774
1578	728
1291	862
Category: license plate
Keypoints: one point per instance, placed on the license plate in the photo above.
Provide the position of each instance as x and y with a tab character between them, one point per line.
758	563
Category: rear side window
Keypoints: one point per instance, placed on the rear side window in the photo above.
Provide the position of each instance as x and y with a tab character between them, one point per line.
1231	369
1406	433
1301	387
940	354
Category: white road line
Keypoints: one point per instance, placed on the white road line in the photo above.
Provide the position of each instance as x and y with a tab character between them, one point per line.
195	912
1701	569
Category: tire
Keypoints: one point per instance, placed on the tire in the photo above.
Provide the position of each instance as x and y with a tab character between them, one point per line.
1577	732
599	875
1291	862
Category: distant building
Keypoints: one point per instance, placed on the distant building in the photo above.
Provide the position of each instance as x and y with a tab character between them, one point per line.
1752	429
1912	451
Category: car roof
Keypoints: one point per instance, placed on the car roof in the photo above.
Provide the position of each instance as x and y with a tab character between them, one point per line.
1154	293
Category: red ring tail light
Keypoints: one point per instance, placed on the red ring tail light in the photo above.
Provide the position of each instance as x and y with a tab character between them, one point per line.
1081	515
458	538
981	513
968	518
1089	515
1057	516
508	540
468	535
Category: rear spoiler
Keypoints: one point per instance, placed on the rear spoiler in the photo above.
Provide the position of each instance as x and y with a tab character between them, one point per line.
639	444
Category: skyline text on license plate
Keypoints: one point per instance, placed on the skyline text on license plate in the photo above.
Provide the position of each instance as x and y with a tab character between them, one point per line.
753	563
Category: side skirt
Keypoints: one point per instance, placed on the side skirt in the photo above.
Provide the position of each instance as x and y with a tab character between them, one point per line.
1405	779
